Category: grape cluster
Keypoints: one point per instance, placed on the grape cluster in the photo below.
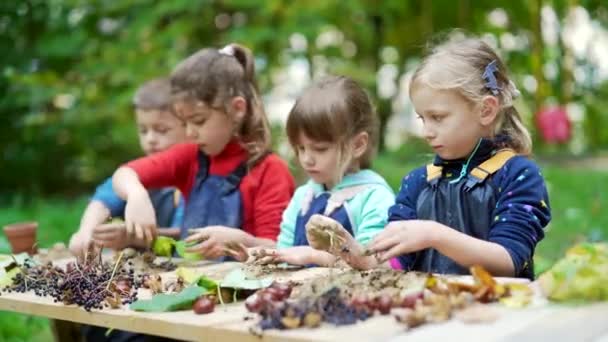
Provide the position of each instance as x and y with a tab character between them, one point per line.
90	284
279	313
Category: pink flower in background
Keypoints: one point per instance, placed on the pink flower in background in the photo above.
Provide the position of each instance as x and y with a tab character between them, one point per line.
553	124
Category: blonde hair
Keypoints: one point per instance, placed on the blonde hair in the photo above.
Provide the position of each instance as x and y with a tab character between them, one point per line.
215	77
459	64
335	109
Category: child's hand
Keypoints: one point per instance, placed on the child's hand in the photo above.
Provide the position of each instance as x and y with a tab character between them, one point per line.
326	234
111	235
211	241
298	255
140	219
80	242
402	237
239	251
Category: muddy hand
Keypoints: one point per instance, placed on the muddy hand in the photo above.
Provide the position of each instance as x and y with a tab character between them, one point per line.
325	233
263	256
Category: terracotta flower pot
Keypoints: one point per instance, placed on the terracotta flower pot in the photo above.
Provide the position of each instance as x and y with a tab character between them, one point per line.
22	237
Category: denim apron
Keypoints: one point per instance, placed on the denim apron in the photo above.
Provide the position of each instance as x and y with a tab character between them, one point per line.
214	199
466	206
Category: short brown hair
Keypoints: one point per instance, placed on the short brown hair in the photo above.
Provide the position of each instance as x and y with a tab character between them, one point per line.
215	77
154	95
334	109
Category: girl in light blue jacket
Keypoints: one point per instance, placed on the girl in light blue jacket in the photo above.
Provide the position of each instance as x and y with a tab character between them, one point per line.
333	130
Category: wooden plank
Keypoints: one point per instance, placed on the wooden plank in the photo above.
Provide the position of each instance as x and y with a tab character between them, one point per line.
568	323
227	322
509	321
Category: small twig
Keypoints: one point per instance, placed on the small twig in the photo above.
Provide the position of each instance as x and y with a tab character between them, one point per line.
114	271
219	294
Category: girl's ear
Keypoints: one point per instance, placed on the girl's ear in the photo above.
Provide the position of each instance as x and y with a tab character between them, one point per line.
359	143
238	106
489	110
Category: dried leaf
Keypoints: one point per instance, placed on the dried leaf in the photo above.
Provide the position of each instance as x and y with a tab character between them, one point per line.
482	277
114	300
312	319
516	302
291	322
154	283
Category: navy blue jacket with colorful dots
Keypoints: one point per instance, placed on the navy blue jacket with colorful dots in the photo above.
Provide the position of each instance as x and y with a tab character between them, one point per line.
513	214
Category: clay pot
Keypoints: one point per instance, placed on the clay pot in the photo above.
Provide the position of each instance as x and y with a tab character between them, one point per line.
22	237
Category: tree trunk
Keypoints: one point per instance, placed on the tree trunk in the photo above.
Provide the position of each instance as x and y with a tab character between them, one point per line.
537	54
383	107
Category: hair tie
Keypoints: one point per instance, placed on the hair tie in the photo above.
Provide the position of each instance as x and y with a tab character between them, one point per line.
227	50
488	76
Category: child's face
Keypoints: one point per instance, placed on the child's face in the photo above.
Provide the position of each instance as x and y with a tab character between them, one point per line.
319	160
210	128
451	123
158	130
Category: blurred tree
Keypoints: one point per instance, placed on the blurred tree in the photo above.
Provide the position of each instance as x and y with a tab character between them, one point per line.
70	66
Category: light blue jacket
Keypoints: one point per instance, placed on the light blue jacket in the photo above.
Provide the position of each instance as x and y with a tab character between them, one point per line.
368	209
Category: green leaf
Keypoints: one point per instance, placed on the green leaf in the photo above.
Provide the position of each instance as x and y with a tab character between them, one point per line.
581	275
7	260
170	302
8	267
190	276
6	278
163	246
237	279
180	248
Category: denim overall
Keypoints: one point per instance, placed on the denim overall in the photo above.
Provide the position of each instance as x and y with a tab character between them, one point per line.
164	203
330	204
465	205
214	200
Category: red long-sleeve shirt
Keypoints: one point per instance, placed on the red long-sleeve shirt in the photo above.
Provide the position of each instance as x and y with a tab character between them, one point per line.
265	190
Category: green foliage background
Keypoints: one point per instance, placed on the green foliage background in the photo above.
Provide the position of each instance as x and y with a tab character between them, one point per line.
70	67
68	70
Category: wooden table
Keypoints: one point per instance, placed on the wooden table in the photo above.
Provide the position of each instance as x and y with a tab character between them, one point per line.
539	321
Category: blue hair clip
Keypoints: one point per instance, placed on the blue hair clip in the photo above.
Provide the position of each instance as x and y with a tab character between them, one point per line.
488	76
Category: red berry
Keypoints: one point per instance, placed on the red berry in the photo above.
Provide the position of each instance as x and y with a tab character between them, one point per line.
384	304
267	297
275	293
360	301
203	305
410	300
254	303
283	289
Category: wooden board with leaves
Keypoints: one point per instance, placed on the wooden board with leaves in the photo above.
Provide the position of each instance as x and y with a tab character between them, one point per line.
230	321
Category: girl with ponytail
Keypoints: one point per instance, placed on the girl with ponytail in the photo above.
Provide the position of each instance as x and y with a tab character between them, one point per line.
235	188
